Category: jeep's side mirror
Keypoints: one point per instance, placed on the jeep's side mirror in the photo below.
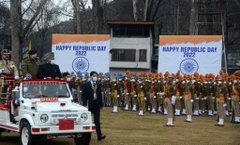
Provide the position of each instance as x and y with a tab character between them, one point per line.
16	96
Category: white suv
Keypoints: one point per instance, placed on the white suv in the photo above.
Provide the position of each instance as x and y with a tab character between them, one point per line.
44	109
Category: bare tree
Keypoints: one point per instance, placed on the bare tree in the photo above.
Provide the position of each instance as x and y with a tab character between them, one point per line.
97	9
193	17
19	30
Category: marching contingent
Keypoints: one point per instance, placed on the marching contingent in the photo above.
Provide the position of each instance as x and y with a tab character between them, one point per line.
168	94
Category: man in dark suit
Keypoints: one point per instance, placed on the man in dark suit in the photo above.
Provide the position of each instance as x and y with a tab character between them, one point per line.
49	69
92	96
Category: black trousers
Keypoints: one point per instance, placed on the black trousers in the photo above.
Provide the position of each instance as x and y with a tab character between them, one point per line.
96	115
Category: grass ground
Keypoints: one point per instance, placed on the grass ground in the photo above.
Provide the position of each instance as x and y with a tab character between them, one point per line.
127	128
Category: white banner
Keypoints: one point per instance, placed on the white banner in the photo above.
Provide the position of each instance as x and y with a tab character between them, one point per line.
81	53
190	54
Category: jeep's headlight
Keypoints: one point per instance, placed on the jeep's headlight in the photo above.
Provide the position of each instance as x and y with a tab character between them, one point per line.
84	117
44	118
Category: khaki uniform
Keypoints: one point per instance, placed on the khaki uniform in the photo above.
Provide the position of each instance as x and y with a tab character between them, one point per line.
159	96
197	96
153	97
211	99
8	69
127	89
178	99
134	96
107	98
141	96
30	66
220	103
187	94
235	102
168	92
115	93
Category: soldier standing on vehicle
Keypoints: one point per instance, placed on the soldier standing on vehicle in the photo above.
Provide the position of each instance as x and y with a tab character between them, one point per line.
30	65
7	69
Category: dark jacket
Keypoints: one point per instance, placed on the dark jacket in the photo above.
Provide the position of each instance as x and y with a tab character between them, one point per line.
93	105
48	70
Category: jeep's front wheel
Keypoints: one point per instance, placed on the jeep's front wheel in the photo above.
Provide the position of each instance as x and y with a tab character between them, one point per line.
25	134
84	140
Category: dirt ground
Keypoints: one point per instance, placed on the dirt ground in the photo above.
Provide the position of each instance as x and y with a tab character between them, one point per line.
127	128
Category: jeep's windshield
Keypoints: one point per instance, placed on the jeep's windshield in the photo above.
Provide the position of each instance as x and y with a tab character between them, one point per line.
35	90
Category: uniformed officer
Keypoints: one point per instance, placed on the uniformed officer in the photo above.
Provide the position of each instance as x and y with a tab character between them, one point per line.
30	65
236	101
127	90
115	94
141	94
7	69
134	93
168	93
220	102
188	99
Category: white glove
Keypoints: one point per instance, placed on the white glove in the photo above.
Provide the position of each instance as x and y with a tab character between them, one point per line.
135	95
162	93
16	78
197	98
127	93
181	97
154	97
118	96
173	99
229	98
191	100
213	97
145	98
224	105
